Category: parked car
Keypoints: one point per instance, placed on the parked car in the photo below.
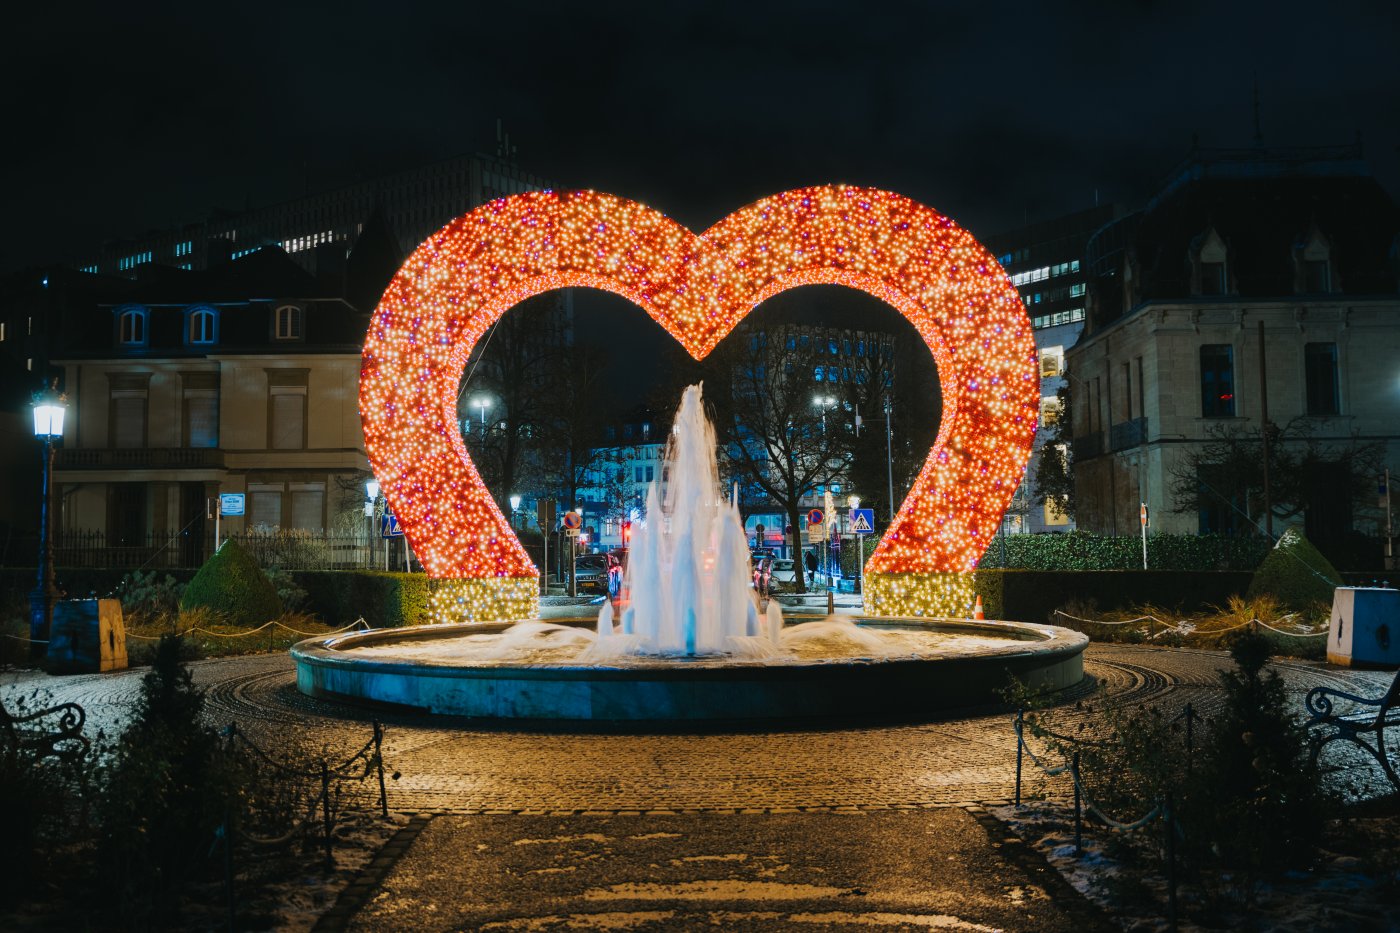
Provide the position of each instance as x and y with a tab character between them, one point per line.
784	572
591	574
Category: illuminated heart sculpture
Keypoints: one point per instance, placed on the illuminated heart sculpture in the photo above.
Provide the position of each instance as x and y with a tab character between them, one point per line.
469	273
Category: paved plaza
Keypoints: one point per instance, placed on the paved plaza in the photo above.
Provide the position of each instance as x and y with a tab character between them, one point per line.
757	829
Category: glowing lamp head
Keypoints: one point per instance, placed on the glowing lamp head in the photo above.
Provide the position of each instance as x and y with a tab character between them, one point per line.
49	408
854	502
515	503
372	489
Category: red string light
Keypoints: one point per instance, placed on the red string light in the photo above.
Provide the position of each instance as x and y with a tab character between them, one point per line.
698	287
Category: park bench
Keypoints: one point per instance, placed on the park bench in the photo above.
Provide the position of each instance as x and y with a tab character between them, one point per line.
56	731
1362	723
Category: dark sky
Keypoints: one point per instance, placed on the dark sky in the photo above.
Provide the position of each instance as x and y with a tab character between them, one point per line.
124	117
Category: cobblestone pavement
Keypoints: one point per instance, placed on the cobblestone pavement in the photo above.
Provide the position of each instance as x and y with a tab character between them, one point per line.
451	766
944	869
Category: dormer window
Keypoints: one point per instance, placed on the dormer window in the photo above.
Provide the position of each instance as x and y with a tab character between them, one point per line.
1312	259
131	327
1209	259
287	322
202	327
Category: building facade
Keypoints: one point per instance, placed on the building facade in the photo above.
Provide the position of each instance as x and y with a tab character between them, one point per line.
1253	279
1045	262
178	392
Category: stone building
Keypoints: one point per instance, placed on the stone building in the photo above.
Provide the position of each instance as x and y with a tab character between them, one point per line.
1167	373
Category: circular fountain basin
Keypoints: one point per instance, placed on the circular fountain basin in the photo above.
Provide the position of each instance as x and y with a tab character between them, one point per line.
956	663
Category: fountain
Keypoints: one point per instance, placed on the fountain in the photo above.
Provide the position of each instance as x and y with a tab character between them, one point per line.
690	642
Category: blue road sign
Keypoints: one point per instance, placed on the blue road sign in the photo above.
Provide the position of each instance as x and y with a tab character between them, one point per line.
231	503
815	517
389	527
863	521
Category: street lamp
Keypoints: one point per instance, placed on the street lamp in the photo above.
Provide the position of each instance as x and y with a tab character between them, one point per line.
49	409
483	402
823	402
514	508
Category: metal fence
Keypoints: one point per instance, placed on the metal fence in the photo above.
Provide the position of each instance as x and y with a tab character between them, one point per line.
288	549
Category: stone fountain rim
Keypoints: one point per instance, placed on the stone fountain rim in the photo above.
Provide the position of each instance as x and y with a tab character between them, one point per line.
1050	643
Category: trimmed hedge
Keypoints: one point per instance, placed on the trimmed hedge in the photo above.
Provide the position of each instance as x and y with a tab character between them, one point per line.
384	600
1034	595
1080	550
232	584
1295	573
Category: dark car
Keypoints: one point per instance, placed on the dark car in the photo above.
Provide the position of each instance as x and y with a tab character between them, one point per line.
591	573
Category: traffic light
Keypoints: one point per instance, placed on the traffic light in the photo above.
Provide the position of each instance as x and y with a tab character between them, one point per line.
626	534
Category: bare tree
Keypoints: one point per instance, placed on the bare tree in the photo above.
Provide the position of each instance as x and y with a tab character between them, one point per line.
775	429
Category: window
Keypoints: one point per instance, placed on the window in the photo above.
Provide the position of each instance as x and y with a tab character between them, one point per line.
1051	362
1316	277
2	331
288	323
1217	380
1049	410
1212	278
201	409
131	327
286	403
203	326
651	473
639	474
126	421
1320	370
308	506
265	505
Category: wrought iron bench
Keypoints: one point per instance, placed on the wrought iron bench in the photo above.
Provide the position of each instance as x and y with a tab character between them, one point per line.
55	731
1358	722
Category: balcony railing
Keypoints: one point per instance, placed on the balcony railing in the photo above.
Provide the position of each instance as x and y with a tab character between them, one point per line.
1129	434
138	458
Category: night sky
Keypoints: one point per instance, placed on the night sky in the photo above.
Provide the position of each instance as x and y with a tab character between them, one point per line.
127	117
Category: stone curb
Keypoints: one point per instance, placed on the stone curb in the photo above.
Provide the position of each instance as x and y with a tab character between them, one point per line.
357	893
1085	913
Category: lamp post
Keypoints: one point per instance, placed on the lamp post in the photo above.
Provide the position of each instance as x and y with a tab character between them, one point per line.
823	402
514	508
372	510
859	542
483	402
49	409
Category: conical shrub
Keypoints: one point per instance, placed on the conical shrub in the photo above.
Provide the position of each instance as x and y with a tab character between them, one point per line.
1295	573
232	584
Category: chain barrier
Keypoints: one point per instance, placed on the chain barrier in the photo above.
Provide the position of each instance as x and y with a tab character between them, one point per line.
1180	626
1163	810
360	622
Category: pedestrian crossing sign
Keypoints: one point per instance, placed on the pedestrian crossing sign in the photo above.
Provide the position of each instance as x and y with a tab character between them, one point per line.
863	521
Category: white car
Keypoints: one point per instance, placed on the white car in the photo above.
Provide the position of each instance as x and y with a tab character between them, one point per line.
784	572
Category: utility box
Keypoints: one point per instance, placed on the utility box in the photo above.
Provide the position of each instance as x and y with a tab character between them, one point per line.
87	636
1365	629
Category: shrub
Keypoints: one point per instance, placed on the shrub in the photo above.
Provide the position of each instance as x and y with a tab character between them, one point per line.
1081	550
1295	573
384	600
1256	801
166	789
289	591
232	584
149	594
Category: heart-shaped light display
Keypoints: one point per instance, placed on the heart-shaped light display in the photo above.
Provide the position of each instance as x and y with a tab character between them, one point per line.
698	287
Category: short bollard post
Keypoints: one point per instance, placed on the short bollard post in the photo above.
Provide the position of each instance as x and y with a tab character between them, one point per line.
326	812
379	766
1169	820
1190	744
830	602
1078	818
1020	723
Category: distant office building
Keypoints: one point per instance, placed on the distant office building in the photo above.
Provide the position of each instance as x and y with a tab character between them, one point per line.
1046	264
1304	242
319	230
